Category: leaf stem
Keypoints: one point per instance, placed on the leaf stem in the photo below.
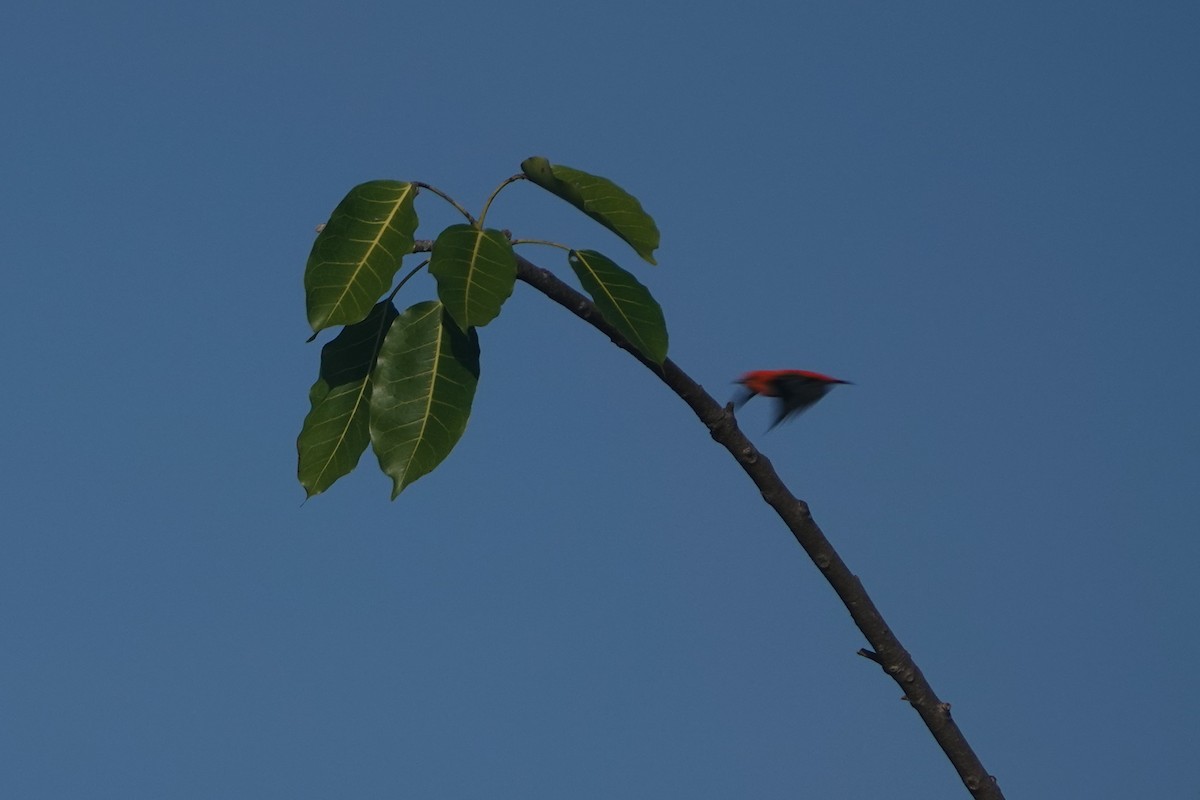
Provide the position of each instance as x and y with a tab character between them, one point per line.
496	191
545	242
447	198
404	280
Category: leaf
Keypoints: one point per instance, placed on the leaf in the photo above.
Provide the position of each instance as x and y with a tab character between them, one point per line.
600	199
357	254
423	385
475	270
335	432
624	303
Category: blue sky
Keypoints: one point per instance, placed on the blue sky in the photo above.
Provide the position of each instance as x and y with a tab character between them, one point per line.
983	215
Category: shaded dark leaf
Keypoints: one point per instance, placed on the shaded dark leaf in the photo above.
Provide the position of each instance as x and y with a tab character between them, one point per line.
335	431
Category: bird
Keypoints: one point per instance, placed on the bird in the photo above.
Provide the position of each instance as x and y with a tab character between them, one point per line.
795	389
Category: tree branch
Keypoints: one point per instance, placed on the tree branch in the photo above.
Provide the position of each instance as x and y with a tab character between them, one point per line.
887	650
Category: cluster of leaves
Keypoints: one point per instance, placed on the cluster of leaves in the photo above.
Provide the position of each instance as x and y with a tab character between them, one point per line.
404	382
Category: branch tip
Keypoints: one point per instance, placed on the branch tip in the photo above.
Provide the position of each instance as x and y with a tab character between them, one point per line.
870	655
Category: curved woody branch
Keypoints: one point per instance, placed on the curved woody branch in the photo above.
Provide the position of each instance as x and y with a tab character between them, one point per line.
887	650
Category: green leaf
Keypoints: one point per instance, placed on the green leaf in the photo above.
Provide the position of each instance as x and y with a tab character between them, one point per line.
357	254
623	302
600	199
335	432
475	270
424	382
